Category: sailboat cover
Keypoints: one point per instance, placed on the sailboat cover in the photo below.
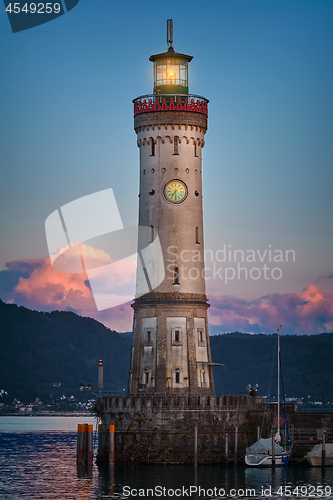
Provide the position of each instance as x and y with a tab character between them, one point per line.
317	450
264	447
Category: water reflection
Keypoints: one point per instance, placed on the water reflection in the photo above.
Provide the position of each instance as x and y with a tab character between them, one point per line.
43	466
236	482
84	471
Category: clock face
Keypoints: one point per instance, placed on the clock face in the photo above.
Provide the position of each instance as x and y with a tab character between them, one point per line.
175	191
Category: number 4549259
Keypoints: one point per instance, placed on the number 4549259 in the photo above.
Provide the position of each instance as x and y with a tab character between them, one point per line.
33	8
307	491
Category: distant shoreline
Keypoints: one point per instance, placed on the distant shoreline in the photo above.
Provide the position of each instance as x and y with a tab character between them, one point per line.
48	414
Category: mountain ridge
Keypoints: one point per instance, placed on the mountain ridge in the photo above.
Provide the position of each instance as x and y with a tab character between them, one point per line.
39	349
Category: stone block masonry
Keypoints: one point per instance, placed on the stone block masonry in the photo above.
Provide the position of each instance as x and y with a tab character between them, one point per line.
160	430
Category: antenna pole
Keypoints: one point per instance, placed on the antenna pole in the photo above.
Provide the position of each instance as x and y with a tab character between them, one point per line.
100	376
170	32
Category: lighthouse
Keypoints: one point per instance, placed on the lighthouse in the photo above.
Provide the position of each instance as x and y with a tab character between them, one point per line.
170	352
170	413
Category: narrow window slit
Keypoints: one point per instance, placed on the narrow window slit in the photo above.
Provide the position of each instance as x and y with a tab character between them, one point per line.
175	145
151	234
152	147
176	276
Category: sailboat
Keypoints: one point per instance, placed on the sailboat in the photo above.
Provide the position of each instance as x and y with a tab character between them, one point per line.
269	452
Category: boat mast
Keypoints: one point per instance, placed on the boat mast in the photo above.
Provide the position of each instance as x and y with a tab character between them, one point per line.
278	397
284	403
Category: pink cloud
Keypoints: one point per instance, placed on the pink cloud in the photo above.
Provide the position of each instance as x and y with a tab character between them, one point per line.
34	283
309	312
43	288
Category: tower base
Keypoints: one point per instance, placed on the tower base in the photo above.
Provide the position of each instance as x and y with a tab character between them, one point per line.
170	346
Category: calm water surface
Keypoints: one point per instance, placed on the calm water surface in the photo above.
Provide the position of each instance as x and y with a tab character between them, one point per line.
38	461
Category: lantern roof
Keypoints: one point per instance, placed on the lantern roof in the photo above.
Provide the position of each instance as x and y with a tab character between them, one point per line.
170	53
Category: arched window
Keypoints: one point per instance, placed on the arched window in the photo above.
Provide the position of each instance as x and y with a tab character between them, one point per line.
175	145
175	276
151	234
152	146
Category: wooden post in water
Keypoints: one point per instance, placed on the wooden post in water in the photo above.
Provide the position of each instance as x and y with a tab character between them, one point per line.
111	444
323	451
236	444
273	450
195	445
258	433
80	444
85	442
226	446
90	453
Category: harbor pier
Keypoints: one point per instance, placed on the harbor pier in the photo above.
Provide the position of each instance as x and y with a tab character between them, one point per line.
161	429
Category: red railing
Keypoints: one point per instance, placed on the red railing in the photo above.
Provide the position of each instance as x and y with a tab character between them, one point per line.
170	102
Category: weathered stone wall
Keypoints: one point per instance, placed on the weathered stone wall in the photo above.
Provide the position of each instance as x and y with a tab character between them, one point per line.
161	429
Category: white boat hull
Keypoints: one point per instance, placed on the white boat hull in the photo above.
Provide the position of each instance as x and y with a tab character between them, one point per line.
316	461
266	461
314	456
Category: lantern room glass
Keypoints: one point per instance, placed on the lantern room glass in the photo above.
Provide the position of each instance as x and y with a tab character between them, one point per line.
171	75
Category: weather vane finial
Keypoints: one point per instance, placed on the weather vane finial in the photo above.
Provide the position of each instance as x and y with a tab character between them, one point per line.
170	33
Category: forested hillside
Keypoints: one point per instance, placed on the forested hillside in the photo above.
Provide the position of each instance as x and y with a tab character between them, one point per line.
40	350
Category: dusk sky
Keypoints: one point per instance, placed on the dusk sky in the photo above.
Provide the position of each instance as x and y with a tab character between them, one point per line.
67	132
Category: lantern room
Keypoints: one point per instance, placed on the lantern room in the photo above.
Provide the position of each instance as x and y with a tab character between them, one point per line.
170	72
170	68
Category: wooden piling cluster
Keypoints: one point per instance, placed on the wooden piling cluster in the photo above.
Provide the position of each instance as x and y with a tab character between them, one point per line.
84	444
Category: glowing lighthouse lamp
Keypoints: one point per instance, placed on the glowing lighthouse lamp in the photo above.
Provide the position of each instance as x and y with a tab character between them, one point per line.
170	68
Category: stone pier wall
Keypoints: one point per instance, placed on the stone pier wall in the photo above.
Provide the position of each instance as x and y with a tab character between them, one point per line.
159	429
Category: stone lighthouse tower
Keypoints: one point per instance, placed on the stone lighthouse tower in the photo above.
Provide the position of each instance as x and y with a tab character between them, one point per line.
170	348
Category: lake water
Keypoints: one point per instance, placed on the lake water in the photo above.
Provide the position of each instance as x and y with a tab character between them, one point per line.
38	461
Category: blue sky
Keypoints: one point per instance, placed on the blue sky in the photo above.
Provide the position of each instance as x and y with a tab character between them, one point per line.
266	67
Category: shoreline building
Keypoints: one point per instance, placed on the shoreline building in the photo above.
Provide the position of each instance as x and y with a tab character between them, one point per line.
170	345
